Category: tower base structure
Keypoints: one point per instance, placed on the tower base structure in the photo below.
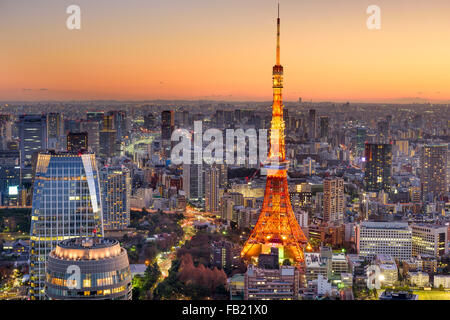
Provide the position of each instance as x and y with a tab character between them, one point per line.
277	226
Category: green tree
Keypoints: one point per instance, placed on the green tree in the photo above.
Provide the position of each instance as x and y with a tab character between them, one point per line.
286	262
151	276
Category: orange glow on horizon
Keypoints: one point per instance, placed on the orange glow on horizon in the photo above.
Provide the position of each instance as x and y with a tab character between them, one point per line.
222	51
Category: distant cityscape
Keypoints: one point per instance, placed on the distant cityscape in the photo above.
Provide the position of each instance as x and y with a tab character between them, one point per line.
352	202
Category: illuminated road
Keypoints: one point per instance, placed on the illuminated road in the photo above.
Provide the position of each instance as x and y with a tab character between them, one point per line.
164	259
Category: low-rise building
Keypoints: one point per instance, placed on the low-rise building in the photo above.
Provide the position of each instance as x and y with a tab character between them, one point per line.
419	279
236	286
271	284
429	239
442	280
388	269
339	265
315	265
347	279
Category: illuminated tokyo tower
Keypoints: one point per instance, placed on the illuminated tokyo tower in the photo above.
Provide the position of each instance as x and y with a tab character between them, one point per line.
277	226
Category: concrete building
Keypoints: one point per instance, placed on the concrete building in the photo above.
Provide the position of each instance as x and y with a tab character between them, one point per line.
226	208
442	280
115	183
193	181
212	182
236	286
392	238
271	284
378	167
333	199
221	254
433	178
324	287
429	239
339	265
388	269
419	279
316	265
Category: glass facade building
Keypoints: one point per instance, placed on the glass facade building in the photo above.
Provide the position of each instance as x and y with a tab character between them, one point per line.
103	270
33	138
66	204
116	191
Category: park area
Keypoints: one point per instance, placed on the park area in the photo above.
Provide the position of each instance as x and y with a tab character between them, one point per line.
433	295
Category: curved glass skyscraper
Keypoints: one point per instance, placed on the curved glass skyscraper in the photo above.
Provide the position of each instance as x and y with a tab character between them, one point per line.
66	204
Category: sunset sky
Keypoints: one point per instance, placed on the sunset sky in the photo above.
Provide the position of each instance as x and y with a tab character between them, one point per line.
224	50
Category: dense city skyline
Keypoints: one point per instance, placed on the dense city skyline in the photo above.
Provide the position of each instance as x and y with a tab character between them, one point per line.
213	50
209	199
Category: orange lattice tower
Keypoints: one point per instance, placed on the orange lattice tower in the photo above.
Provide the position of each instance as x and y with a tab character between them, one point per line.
277	225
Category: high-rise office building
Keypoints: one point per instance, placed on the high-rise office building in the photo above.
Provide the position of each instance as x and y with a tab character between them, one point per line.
378	168
221	254
77	141
212	179
72	125
96	116
223	180
33	138
9	177
93	134
220	119
55	130
237	116
120	123
66	204
324	126
185	119
109	147
167	124
116	192
333	199
384	131
392	238
226	207
312	124
55	125
104	270
193	181
149	121
167	127
433	164
5	130
361	135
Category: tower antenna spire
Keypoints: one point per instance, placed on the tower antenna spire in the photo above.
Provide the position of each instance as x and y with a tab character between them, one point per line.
278	36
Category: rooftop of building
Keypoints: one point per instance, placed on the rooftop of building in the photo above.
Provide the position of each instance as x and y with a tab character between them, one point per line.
339	257
314	260
66	153
385	259
87	248
428	225
392	267
385	225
